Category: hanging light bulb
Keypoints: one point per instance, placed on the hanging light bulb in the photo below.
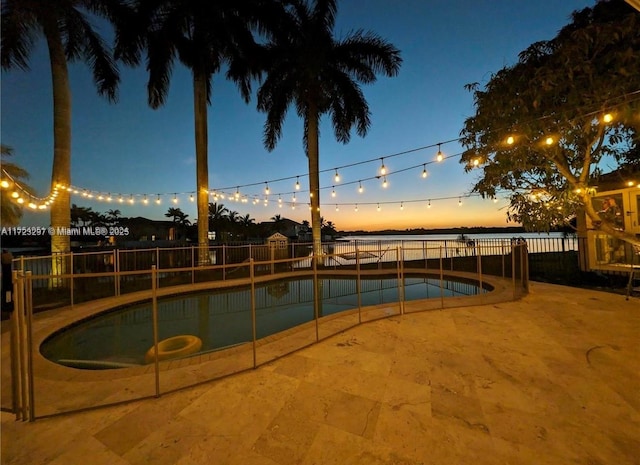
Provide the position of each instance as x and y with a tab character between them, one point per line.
175	198
100	197
378	207
120	199
424	170
294	198
131	201
459	202
360	189
337	209
510	140
383	169
356	207
279	199
333	192
401	205
145	200
495	200
297	183
293	206
384	182
337	176
266	189
109	199
237	194
429	204
549	140
439	155
158	200
607	118
191	198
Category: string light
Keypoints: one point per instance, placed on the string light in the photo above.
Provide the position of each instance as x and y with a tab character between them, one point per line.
459	202
378	208
333	192
356	207
385	183
337	208
20	193
429	205
401	205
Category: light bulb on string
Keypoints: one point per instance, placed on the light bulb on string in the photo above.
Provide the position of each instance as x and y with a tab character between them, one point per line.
266	189
337	176
401	205
145	200
237	194
510	140
191	198
279	199
424	171
175	198
384	182
294	198
333	192
429	204
439	155
360	188
297	183
459	202
337	208
131	201
109	199
383	169
607	118
120	199
158	199
378	208
356	209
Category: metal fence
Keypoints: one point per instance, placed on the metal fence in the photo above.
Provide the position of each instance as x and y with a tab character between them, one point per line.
249	328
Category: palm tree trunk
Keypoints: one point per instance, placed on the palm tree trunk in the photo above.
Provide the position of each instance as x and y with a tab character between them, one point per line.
314	180
202	165
61	172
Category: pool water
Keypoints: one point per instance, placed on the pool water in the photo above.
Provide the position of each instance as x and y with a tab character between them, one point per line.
222	318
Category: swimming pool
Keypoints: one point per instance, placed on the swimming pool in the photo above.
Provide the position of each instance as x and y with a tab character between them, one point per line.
222	318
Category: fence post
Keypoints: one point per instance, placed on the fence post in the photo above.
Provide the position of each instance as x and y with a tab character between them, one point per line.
358	285
513	269
400	279
15	346
316	303
479	256
154	310
71	285
253	311
441	279
28	300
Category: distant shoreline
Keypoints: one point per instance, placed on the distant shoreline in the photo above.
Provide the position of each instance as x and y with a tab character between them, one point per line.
419	231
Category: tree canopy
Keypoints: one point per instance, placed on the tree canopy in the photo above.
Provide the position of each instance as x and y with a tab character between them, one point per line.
546	127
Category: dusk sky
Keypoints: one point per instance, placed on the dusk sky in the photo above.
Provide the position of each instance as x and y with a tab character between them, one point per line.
129	149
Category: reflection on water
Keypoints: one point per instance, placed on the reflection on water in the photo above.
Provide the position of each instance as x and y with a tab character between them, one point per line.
223	318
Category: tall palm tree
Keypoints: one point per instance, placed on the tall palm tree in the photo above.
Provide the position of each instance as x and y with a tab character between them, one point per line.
204	36
67	30
307	67
217	215
114	216
10	211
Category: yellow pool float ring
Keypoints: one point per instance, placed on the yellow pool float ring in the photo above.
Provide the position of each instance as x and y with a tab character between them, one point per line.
173	347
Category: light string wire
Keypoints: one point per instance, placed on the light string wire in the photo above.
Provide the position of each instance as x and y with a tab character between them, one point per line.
224	191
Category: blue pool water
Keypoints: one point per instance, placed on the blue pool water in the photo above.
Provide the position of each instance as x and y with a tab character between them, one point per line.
222	318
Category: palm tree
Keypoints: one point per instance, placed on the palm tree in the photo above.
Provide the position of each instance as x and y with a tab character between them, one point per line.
12	174
307	67
204	36
114	216
217	215
69	35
